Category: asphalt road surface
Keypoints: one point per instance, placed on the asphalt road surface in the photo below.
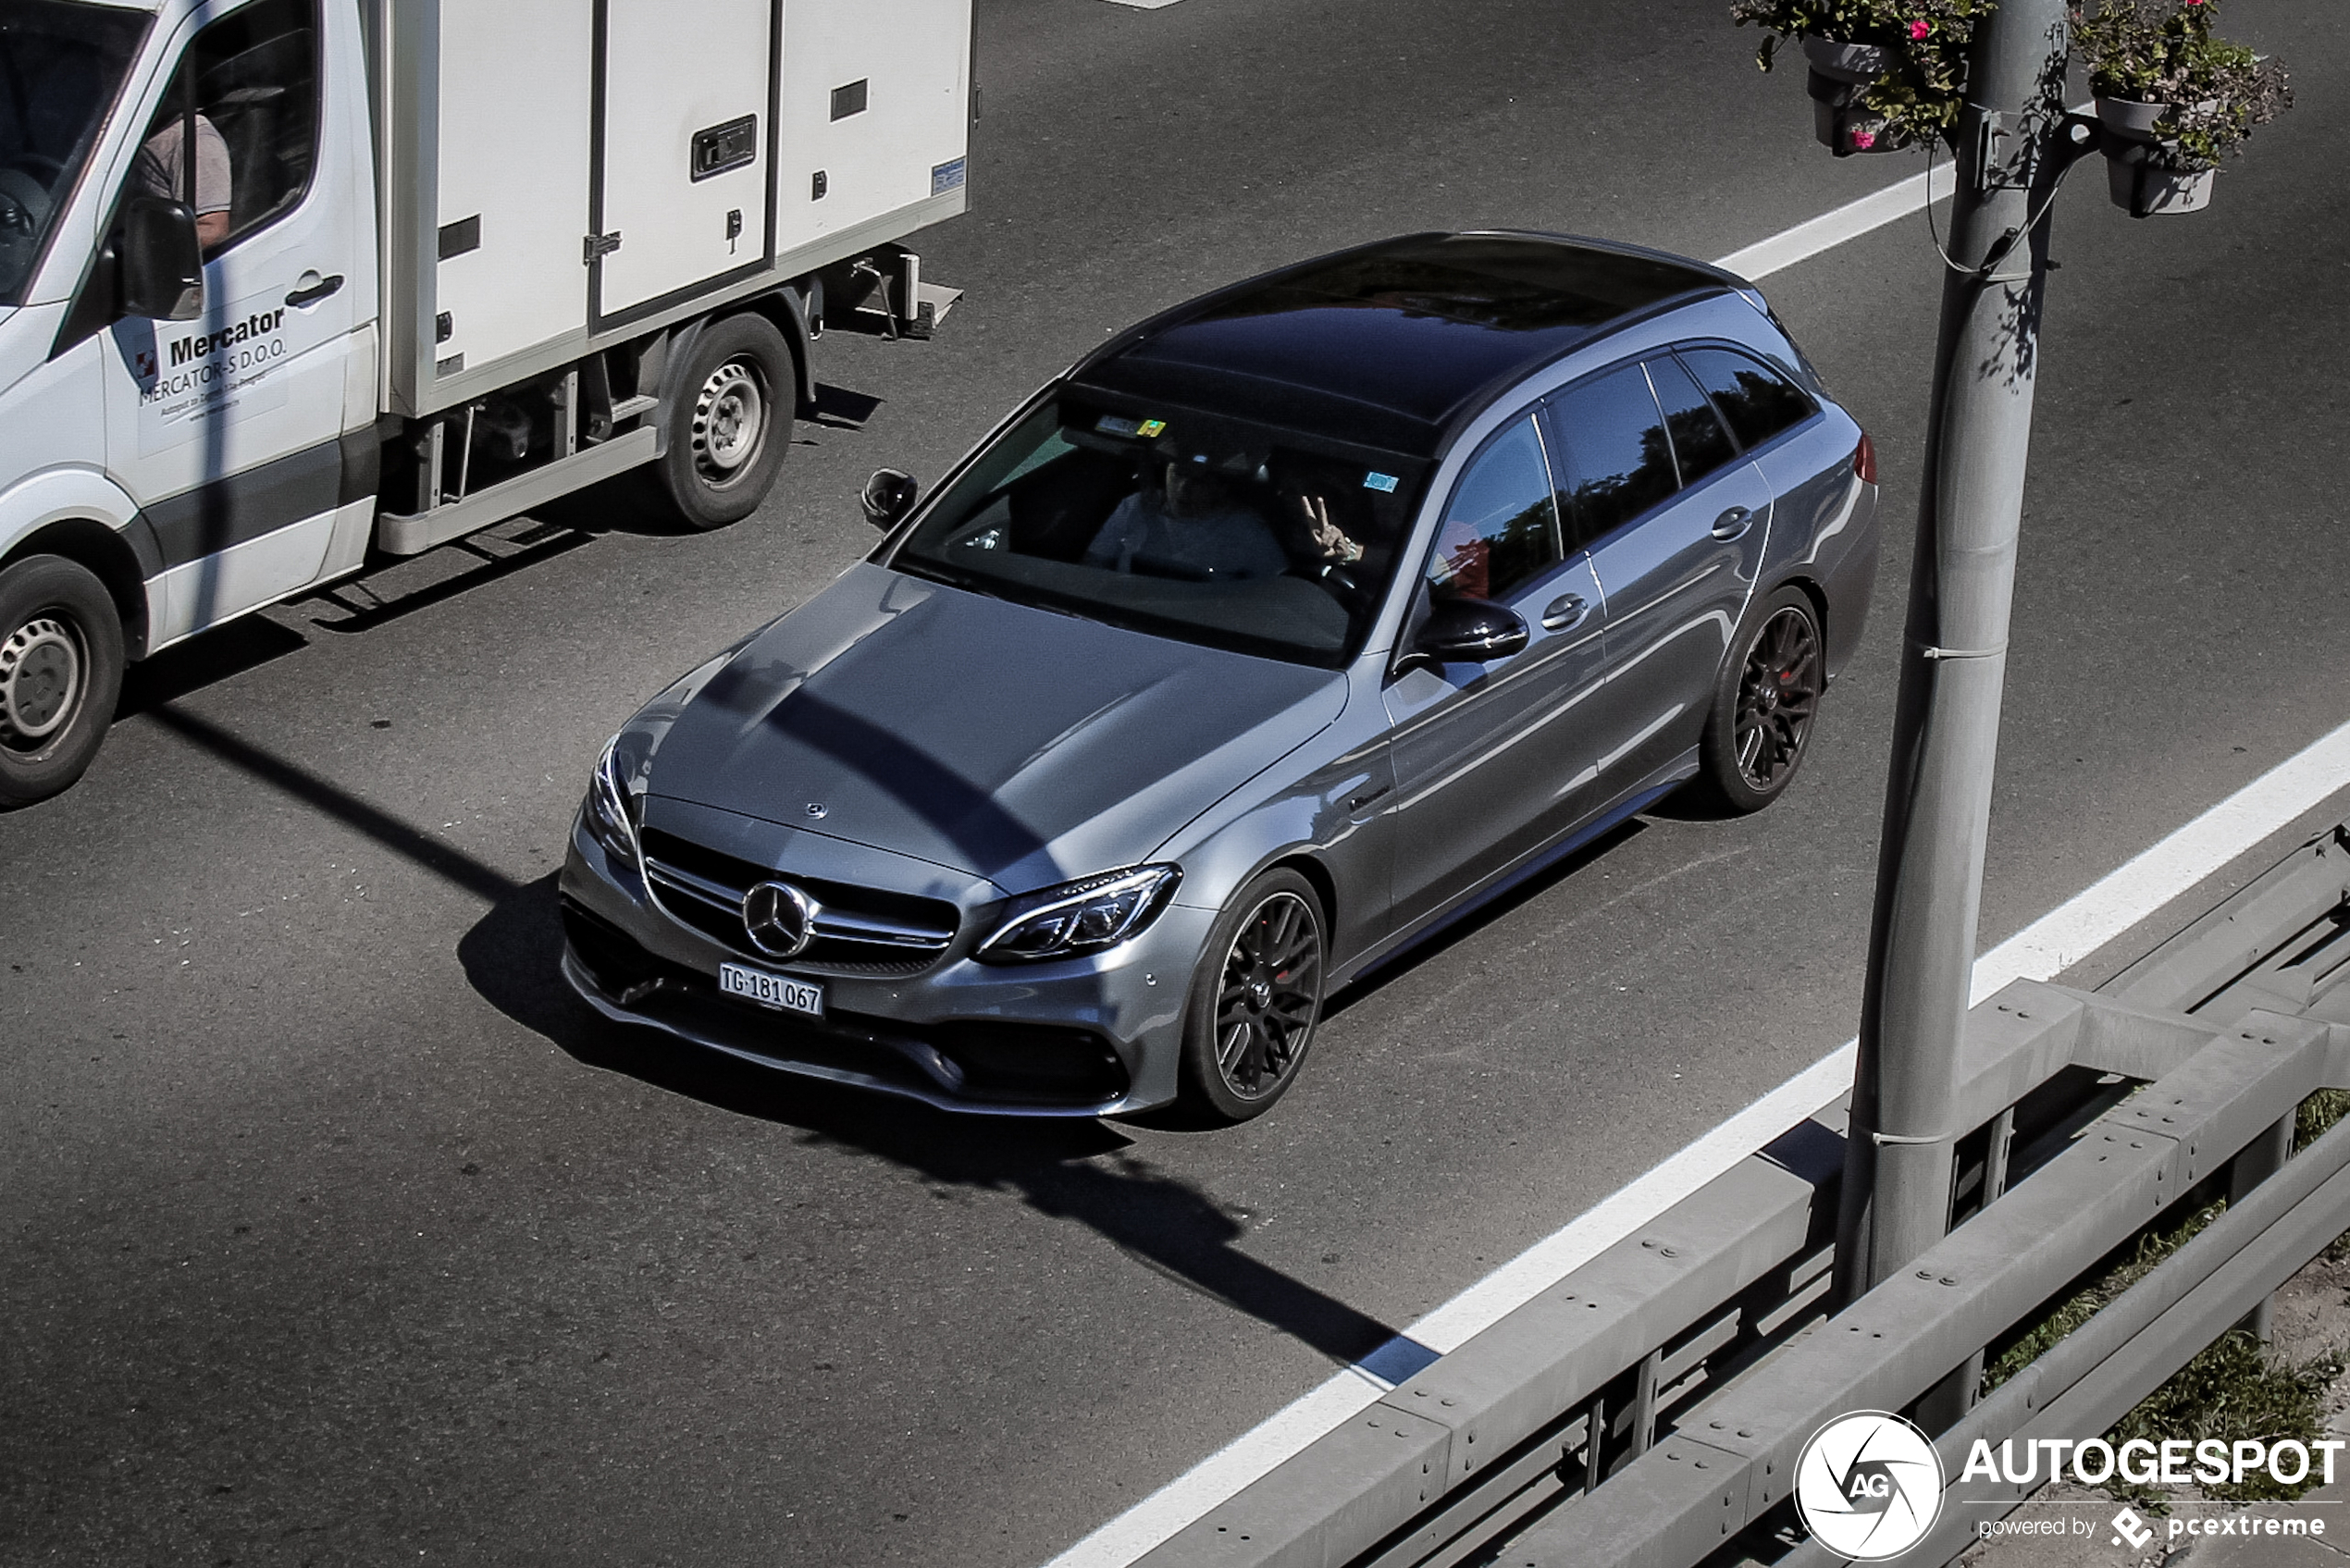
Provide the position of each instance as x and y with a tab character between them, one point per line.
336	1234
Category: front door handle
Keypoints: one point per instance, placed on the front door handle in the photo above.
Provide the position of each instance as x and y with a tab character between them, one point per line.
1566	611
1733	523
310	292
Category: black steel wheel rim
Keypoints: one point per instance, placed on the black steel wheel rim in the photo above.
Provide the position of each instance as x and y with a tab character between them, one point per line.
1268	996
1778	692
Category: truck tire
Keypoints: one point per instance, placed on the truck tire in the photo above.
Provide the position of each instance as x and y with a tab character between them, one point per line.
60	672
729	418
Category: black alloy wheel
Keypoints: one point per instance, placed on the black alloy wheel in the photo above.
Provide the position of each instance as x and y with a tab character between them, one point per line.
60	673
1765	704
1257	999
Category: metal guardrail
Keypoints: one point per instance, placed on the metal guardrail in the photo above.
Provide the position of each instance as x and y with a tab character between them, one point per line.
1648	1407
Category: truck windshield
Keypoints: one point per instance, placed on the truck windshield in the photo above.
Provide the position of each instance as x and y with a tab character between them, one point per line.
61	64
1175	521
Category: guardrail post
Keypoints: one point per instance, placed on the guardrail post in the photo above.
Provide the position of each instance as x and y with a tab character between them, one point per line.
1897	1172
1643	1433
2260	1160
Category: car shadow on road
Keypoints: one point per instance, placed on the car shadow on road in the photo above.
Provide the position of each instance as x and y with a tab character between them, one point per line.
1081	1170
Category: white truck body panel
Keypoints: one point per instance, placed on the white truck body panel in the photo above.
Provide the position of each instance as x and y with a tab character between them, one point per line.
906	147
669	75
491	110
516	102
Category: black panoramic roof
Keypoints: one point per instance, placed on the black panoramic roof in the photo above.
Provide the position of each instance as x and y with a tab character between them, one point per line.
1386	345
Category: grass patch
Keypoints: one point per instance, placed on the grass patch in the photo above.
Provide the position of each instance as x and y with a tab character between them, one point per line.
2316	1116
2233	1389
2078	1308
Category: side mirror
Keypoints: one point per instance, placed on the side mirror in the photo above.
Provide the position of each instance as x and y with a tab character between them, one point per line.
889	496
161	261
1470	631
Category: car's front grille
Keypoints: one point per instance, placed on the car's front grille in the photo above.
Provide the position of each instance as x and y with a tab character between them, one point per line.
859	932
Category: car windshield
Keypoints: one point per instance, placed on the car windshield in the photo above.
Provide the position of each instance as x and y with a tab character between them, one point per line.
1175	521
60	65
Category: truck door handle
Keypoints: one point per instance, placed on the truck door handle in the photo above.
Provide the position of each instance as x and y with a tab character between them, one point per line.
1566	611
311	293
1733	523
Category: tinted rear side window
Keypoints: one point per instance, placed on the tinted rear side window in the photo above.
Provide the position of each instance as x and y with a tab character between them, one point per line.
1608	438
1757	400
1699	440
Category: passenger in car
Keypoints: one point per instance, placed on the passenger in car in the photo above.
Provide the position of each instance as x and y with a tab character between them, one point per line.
1186	523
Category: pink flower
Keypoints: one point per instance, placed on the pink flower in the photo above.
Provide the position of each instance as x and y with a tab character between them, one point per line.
1864	140
1919	28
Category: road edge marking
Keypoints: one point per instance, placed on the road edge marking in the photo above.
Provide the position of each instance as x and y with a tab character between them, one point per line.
2071	932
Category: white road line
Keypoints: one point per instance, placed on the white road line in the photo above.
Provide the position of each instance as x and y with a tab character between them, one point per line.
1848	222
1143	5
2047	948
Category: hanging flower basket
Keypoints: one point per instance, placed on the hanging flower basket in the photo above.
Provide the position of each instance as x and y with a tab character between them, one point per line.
1840	73
2145	188
1858	63
1883	73
2139	175
2173	100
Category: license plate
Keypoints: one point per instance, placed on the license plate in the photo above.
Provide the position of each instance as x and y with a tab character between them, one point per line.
779	992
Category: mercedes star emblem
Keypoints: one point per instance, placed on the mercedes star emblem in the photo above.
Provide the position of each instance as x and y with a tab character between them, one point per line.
780	918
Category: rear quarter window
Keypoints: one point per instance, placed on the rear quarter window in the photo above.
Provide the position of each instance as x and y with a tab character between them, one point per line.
1756	401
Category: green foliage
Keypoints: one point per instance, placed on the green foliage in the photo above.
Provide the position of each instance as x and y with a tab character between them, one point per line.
2078	1309
2164	51
1921	94
2232	1390
2316	1116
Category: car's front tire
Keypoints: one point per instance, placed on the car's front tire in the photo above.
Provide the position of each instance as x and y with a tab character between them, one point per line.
60	673
1256	999
1766	700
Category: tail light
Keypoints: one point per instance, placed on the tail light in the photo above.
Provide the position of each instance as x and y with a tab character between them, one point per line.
1864	459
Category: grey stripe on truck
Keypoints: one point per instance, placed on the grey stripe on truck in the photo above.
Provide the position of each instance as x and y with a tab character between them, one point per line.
244	506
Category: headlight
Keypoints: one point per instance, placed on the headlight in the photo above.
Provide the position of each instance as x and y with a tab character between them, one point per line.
1080	917
609	814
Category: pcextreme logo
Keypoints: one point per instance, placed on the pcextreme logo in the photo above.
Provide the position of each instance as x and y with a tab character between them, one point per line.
1869	1485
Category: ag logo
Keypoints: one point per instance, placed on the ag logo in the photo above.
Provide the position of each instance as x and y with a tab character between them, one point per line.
1869	1485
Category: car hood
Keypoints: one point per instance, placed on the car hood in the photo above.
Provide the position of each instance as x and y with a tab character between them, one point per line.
1027	746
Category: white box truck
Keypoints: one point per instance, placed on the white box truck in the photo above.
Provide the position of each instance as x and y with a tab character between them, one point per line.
289	286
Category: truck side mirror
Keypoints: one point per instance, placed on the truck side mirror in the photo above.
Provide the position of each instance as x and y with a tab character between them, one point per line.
161	261
889	496
1470	631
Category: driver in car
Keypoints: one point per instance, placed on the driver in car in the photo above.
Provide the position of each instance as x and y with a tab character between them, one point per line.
1188	524
1321	539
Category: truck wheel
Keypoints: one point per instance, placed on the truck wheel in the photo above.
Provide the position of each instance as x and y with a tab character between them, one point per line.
60	672
729	422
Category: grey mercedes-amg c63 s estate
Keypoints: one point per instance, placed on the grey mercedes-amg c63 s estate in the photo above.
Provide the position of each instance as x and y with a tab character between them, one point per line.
1287	627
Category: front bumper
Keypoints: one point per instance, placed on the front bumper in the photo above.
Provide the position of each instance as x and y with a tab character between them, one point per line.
1088	1037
